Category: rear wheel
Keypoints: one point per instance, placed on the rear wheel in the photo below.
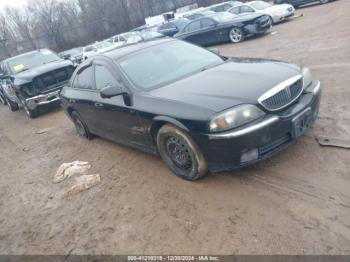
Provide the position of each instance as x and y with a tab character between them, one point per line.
180	153
80	126
236	35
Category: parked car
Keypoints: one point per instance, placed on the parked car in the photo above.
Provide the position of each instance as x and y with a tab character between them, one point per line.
172	27
97	48
297	3
33	79
200	14
224	27
276	13
223	7
75	55
125	39
148	36
197	110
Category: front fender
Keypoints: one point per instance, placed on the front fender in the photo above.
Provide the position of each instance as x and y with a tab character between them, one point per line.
171	121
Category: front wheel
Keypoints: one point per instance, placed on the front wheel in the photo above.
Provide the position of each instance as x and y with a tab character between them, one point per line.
31	113
11	105
2	99
180	153
236	35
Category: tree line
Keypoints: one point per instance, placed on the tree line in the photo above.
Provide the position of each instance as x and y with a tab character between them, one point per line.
65	24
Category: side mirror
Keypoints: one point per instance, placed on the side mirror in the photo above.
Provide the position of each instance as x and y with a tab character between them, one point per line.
214	50
111	90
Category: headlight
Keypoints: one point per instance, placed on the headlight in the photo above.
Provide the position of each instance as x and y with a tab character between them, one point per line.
235	117
307	77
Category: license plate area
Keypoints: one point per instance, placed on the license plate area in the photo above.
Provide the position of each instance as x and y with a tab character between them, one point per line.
302	122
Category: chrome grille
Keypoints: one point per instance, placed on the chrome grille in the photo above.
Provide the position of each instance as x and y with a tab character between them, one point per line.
283	94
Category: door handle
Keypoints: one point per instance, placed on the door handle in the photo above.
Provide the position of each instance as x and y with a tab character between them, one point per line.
98	105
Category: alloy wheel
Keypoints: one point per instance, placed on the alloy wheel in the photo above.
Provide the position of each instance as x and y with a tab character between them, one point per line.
236	35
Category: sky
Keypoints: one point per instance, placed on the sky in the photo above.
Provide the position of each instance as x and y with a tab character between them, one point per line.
15	3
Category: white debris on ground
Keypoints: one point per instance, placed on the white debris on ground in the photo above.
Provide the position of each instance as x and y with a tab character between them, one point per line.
67	170
84	182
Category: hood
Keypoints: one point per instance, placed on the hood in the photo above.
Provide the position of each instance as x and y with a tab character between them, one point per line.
237	81
28	75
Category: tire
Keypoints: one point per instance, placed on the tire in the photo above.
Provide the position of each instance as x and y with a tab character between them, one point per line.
180	153
271	21
30	112
11	105
80	126
236	35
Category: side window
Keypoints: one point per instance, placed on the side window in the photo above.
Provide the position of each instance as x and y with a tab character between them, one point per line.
103	77
235	10
207	22
194	26
84	80
246	9
225	7
220	8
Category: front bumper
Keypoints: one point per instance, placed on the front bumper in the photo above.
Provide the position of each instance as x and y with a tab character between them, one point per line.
43	99
266	137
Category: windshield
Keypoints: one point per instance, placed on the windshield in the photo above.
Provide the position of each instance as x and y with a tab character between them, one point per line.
160	64
31	60
260	5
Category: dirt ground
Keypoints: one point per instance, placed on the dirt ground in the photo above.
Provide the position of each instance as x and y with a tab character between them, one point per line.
298	202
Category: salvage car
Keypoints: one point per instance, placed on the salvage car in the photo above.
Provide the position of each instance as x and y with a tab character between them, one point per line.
297	3
97	48
224	27
222	7
75	55
33	80
172	27
276	13
125	39
199	111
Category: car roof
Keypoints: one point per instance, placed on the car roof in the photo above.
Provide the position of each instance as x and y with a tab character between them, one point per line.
117	53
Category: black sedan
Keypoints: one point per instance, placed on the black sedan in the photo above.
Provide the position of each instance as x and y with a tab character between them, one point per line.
198	110
224	27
